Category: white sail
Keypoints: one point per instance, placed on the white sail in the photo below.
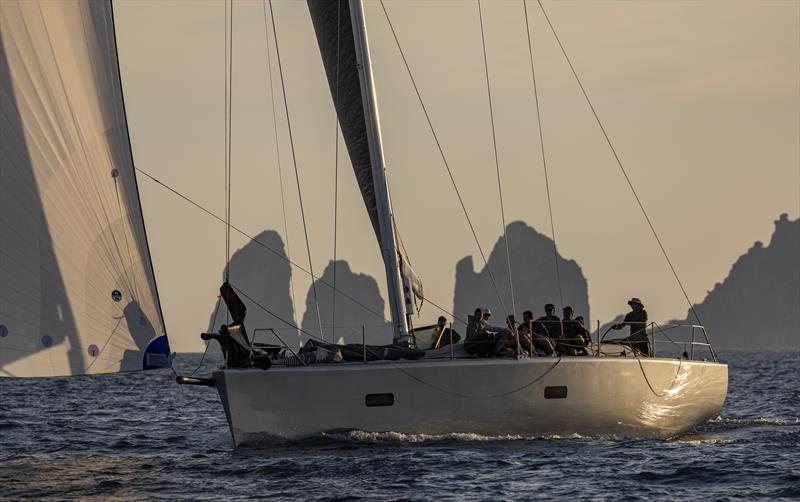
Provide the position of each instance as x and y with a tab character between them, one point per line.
77	291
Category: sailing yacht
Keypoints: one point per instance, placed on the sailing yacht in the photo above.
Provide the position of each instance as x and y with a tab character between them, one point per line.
615	392
78	294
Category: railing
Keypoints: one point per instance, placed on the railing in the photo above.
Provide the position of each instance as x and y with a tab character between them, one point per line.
663	335
655	328
661	339
327	334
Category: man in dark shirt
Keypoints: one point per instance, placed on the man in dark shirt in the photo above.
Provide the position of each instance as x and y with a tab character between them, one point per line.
551	322
444	335
575	336
636	319
532	337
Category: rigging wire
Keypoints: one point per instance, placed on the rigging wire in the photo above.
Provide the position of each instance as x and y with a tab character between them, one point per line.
445	311
496	161
278	158
544	158
336	167
259	243
296	172
619	163
273	314
444	158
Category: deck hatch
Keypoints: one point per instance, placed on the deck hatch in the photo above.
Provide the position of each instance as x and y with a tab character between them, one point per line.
558	392
379	399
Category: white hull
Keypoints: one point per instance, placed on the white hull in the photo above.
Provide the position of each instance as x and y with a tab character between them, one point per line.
608	396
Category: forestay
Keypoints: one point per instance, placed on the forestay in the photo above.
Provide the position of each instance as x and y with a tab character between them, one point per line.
77	291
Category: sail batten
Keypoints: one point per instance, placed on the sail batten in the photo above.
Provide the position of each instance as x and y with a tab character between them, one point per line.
77	289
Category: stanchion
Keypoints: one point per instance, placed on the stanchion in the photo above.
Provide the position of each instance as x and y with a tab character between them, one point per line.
598	338
451	341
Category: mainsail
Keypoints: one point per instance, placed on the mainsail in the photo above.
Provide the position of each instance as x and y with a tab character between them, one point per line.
334	30
341	35
77	290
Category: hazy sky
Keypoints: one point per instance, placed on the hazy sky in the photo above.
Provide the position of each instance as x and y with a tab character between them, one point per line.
701	100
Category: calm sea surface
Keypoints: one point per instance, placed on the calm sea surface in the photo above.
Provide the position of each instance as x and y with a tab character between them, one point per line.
144	437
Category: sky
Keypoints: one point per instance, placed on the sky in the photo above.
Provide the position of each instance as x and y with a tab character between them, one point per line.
700	99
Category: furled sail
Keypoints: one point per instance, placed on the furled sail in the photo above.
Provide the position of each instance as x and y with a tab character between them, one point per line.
77	291
333	27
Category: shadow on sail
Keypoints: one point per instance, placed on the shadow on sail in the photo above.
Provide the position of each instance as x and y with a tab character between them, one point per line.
142	332
35	312
534	278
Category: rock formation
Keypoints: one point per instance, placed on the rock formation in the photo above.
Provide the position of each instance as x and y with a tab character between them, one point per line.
758	304
534	277
264	276
350	316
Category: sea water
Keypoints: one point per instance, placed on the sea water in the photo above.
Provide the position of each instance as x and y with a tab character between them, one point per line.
141	436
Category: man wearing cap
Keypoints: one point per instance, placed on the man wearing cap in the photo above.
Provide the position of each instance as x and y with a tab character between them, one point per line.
482	337
636	319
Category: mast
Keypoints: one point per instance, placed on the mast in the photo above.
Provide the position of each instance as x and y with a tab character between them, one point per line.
389	249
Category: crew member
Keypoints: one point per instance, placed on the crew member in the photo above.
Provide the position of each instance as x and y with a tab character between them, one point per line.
551	322
636	319
532	337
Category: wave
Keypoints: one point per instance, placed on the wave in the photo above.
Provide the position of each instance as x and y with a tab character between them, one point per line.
258	441
400	437
700	435
743	422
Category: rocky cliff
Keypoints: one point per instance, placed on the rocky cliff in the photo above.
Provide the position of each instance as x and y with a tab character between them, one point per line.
758	304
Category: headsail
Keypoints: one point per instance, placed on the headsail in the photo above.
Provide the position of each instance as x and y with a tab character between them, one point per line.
77	290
